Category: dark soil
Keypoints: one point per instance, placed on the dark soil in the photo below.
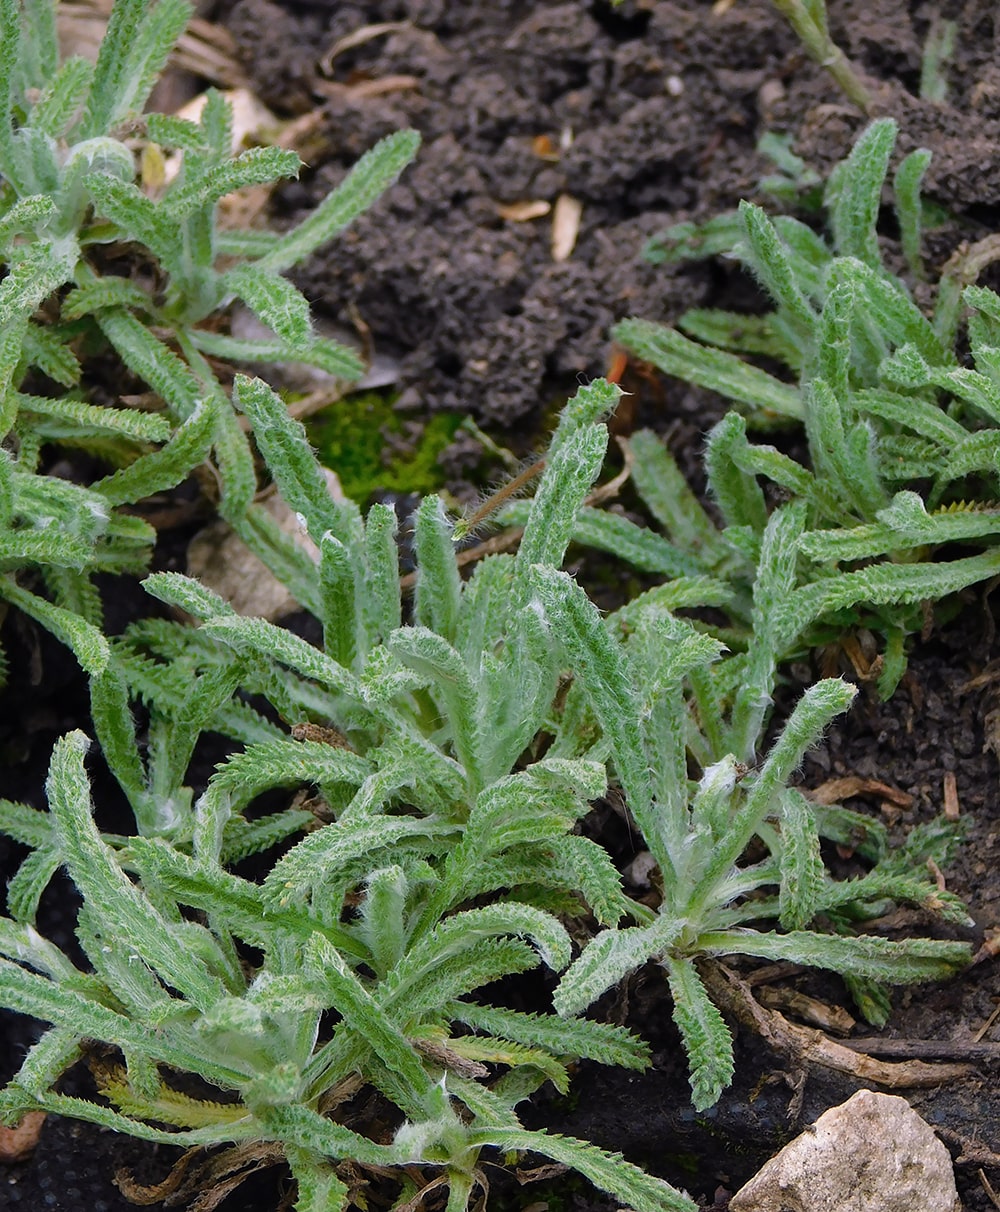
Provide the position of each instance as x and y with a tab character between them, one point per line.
647	115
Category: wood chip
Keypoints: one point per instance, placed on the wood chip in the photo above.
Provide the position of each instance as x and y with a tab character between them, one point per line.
362	89
565	226
806	1047
359	37
523	212
952	811
18	1143
811	1010
833	791
544	148
991	945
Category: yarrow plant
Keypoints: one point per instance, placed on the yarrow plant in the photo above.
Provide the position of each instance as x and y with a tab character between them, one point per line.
903	438
441	751
737	847
434	861
93	259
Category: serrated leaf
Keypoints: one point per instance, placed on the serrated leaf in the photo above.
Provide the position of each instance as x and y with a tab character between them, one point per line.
603	668
802	871
255	166
374	172
855	209
869	956
706	1038
88	645
164	468
282	442
329	356
603	1042
608	1171
439	586
152	361
275	301
722	372
608	959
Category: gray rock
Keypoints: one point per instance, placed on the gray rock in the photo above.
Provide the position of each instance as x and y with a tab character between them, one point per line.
871	1154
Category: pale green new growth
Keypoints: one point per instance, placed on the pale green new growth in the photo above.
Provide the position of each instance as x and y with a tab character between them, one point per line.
71	199
888	411
665	698
439	858
442	752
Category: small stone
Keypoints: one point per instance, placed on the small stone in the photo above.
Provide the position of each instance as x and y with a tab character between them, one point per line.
871	1154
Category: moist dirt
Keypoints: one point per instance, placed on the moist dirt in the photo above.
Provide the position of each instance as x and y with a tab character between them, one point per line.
643	116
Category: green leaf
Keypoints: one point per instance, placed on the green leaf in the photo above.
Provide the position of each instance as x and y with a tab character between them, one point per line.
418	1096
25	887
187	594
337	586
282	442
88	645
37	272
284	763
605	1043
802	871
854	212
104	885
705	1036
607	960
131	56
381	608
737	492
152	361
434	658
608	1171
569	473
169	131
255	166
137	217
372	175
329	356
125	422
722	372
770	263
602	667
909	210
319	1188
262	638
439	586
276	302
45	348
694	241
164	468
867	956
10	55
637	544
666	493
102	293
819	705
115	730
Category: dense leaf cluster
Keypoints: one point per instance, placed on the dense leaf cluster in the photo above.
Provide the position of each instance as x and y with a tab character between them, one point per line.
442	748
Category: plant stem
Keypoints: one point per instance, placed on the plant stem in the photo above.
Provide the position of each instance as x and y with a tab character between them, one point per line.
816	38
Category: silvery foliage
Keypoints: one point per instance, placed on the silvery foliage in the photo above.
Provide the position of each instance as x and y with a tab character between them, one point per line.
737	847
441	854
73	208
903	437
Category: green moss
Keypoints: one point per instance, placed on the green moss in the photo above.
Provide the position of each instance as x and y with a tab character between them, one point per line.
351	439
